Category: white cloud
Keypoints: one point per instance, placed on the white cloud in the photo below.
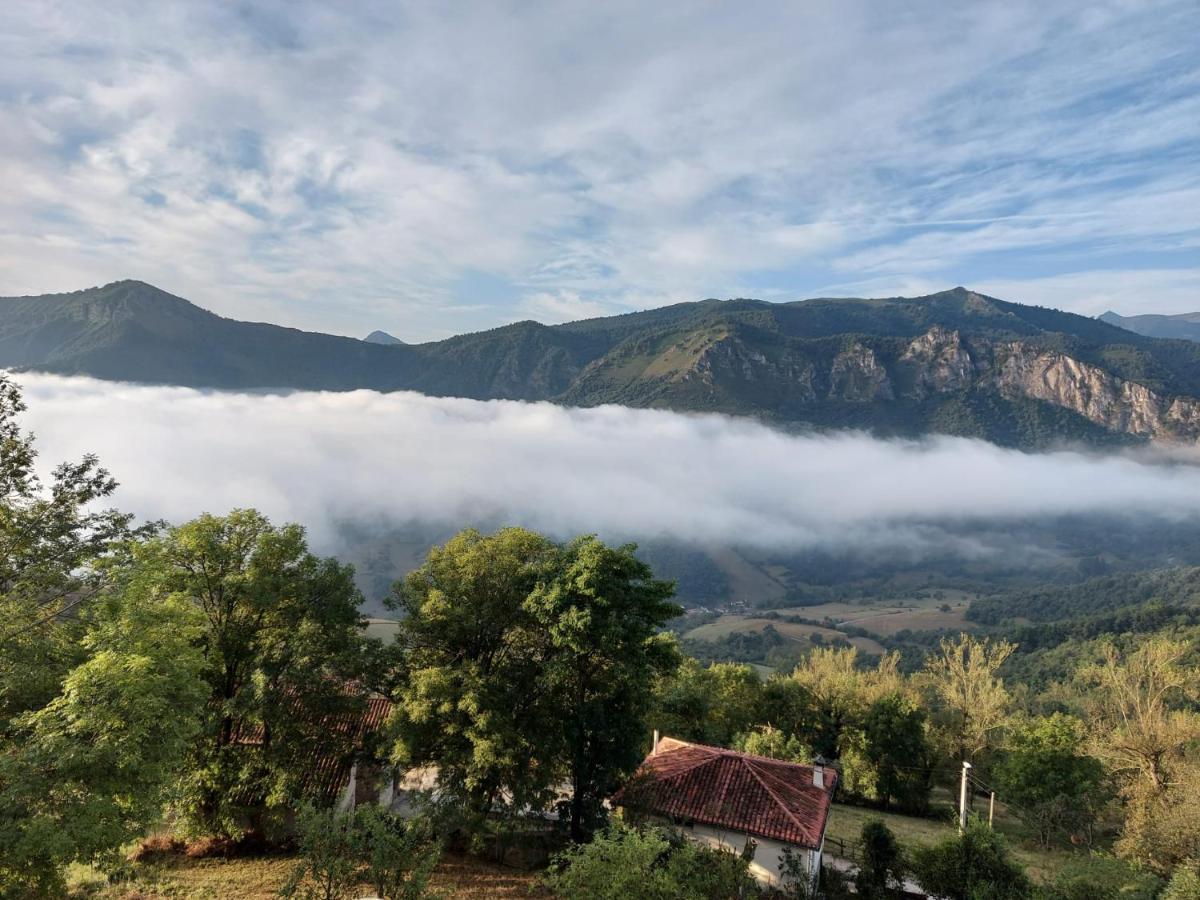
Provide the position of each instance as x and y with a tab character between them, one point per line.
343	166
321	458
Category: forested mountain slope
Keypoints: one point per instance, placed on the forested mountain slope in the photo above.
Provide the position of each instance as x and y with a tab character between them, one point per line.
955	362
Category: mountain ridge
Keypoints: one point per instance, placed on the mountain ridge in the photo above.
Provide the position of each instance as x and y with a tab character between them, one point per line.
953	362
1181	326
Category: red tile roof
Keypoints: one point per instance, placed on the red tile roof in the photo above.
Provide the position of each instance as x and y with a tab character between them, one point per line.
325	774
738	791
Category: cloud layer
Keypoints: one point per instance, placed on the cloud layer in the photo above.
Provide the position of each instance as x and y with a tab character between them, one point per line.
391	459
435	168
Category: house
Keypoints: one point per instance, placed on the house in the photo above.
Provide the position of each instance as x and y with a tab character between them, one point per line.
752	805
342	773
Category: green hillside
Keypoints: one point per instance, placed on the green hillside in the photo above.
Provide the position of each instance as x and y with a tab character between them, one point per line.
955	362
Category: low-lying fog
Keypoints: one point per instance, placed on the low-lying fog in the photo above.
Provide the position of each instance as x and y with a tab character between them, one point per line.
325	458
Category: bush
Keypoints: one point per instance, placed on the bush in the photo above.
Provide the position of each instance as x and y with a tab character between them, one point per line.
972	866
883	861
1102	878
650	864
1184	884
339	851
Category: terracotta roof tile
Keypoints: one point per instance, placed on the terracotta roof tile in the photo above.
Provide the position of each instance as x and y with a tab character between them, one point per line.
727	789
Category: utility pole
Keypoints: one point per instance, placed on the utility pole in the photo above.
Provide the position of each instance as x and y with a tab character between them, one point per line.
962	797
991	809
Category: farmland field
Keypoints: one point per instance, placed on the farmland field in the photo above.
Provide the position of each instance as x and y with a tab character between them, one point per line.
732	624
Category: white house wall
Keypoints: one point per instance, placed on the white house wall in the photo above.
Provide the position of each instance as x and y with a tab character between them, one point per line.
768	854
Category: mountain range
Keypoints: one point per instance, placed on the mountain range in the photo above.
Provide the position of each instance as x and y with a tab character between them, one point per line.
955	362
1185	326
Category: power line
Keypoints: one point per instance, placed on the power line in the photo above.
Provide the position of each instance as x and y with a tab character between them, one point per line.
17	632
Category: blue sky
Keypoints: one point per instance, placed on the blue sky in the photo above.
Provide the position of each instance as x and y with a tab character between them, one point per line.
430	168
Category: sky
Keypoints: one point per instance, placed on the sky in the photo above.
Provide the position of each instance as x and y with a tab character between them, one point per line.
429	169
379	459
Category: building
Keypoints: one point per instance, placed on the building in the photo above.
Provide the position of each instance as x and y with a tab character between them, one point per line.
748	804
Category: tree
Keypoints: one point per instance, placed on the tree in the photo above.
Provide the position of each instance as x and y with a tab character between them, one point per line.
601	613
897	747
282	645
98	685
974	865
1137	708
1055	787
711	704
89	770
472	703
650	864
769	741
964	677
399	856
841	691
882	862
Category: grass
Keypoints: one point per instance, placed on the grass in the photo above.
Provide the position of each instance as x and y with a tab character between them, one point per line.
846	822
732	624
382	629
888	617
456	878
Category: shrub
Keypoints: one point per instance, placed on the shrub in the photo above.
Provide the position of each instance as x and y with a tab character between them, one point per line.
972	866
650	864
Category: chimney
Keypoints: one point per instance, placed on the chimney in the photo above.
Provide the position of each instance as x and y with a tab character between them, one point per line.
654	746
819	772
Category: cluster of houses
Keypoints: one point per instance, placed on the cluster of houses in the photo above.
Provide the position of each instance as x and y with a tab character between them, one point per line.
765	810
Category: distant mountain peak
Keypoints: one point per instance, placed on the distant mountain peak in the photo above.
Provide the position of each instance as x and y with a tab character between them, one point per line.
382	337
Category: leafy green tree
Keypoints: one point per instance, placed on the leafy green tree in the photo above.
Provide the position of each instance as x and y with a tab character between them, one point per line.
1053	784
98	680
649	864
710	704
769	741
601	613
972	866
474	701
1140	709
896	745
882	862
281	641
529	662
964	678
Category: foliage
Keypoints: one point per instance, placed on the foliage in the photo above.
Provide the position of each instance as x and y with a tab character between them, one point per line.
650	864
529	662
97	679
329	866
882	864
766	740
1101	878
1136	706
711	704
896	745
1047	776
964	677
1184	884
600	615
281	642
338	851
972	866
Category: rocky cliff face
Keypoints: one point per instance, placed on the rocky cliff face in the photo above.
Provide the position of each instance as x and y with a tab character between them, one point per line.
858	376
1097	395
729	359
936	362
